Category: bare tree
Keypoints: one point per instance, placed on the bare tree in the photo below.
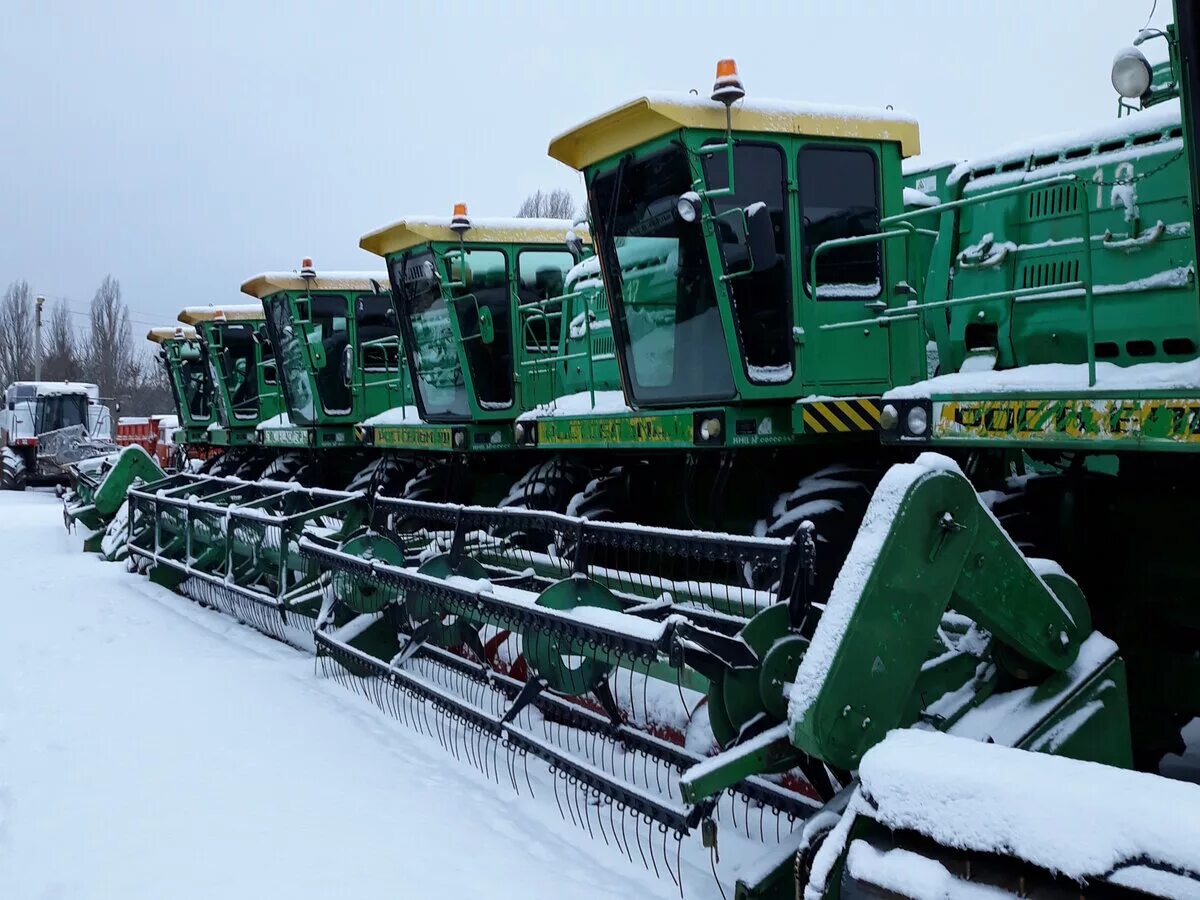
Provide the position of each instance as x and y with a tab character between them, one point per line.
60	360
16	333
146	388
108	351
553	204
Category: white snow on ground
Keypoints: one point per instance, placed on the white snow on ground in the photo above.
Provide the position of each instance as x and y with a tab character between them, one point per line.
150	748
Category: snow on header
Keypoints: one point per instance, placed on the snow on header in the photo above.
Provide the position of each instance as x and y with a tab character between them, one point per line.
856	570
1157	119
1082	819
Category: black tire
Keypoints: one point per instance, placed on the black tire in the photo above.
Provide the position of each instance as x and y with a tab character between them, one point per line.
12	470
549	486
284	467
432	484
834	500
386	475
607	497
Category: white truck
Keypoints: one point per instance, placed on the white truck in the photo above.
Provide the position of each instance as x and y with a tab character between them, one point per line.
46	424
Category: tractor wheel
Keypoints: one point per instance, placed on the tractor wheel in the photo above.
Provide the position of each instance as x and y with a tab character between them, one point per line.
834	500
12	470
608	497
284	467
387	475
549	486
431	484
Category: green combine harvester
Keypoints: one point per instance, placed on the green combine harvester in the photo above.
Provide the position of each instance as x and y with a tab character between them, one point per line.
245	382
947	663
487	339
191	383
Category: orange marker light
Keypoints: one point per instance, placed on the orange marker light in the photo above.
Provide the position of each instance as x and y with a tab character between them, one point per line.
728	87
459	223
306	263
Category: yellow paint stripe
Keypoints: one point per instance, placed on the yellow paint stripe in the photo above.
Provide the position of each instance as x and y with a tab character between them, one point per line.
852	414
811	421
871	409
830	416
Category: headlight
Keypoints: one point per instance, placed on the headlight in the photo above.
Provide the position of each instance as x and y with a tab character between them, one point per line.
888	418
459	439
519	431
918	421
710	429
688	206
1131	74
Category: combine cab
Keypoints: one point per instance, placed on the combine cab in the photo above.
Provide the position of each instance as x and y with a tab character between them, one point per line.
480	304
47	425
726	319
235	351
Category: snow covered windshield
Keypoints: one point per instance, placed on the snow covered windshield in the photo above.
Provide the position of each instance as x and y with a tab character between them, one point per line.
669	328
429	336
60	411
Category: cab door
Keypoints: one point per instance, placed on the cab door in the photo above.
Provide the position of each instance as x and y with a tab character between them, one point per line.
839	197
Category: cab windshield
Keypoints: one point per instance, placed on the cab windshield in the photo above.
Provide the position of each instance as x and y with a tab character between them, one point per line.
429	338
289	353
193	388
238	369
60	411
670	338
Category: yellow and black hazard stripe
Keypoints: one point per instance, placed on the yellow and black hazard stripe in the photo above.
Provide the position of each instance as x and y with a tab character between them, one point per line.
841	416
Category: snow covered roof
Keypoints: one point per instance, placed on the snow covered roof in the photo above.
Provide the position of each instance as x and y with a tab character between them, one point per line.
171	332
249	312
1047	149
270	282
416	230
53	388
657	114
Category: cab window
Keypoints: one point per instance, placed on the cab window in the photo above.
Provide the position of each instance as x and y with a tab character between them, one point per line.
839	198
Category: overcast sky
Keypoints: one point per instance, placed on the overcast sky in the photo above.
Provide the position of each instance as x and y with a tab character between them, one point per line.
184	146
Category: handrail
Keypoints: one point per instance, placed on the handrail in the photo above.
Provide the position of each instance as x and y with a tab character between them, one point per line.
904	220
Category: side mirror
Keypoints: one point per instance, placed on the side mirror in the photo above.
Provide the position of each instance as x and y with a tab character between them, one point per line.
487	328
760	237
575	245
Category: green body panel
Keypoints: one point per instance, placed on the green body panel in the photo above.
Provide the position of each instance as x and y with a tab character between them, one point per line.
245	380
943	549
